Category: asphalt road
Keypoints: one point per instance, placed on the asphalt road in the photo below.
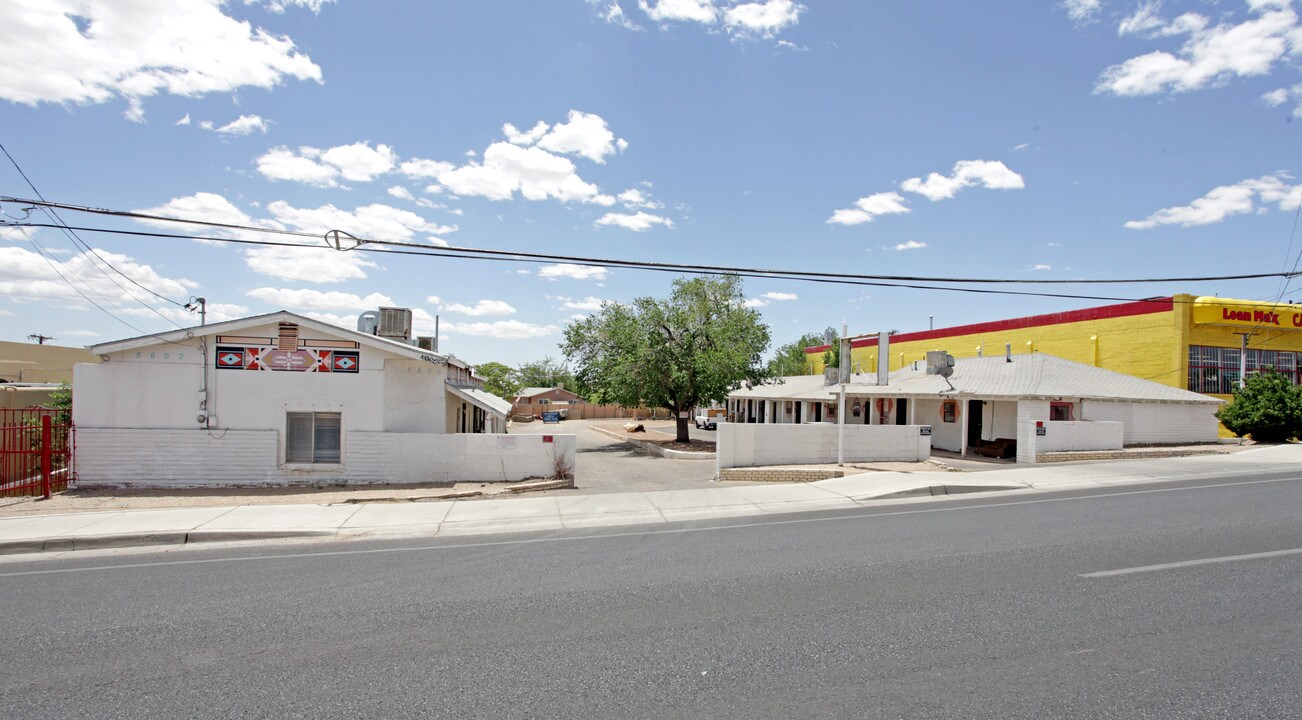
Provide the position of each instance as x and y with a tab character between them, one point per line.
955	609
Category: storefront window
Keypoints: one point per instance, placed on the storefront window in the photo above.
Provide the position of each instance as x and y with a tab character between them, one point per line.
1215	370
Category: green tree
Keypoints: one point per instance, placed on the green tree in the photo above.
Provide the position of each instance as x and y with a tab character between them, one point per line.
1268	407
547	373
498	379
791	359
691	348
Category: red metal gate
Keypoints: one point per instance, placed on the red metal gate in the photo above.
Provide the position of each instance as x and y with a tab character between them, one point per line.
35	451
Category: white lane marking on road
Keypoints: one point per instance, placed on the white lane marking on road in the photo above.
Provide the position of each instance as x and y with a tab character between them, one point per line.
1191	563
638	533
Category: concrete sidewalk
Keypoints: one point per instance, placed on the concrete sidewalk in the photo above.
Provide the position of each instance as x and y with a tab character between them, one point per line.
459	517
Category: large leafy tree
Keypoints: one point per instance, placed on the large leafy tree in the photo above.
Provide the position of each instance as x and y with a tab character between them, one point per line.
690	348
1268	407
791	359
547	373
498	379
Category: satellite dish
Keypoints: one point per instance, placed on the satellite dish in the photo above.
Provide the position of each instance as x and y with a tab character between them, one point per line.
945	371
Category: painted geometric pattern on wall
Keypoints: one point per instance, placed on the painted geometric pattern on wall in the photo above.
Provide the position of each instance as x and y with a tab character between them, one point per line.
230	357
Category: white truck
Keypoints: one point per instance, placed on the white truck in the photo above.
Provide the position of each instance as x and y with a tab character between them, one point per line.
708	418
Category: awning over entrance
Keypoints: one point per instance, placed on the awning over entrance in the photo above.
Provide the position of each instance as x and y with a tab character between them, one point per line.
483	400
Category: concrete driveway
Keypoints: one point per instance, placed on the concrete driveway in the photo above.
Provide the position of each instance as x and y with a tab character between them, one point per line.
607	465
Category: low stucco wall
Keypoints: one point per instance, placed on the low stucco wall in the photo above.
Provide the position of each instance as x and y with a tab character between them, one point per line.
751	445
197	458
1079	435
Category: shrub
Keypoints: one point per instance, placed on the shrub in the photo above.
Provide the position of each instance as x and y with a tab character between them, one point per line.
1268	407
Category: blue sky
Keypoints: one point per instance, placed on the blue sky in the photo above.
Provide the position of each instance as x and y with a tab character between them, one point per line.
1081	139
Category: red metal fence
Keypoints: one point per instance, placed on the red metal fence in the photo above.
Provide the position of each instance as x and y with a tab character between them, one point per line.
35	451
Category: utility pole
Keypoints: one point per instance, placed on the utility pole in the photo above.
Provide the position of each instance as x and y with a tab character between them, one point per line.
202	304
40	339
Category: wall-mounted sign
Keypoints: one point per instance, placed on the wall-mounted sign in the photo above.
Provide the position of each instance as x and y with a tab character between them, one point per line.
551	416
1041	430
1238	313
255	358
924	430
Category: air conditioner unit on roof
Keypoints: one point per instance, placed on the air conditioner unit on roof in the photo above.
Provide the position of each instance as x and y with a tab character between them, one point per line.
395	323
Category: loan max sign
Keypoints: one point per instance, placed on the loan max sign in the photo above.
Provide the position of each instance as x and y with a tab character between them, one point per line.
1249	316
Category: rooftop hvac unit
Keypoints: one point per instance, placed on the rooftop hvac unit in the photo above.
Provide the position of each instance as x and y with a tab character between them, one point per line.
368	322
395	323
940	363
425	342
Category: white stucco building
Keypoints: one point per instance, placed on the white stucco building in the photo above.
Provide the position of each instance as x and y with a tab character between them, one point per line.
1043	403
282	398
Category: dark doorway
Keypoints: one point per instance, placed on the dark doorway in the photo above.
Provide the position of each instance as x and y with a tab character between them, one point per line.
818	412
902	411
798	406
974	413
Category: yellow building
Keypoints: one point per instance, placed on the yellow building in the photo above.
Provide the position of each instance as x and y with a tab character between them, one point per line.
1193	343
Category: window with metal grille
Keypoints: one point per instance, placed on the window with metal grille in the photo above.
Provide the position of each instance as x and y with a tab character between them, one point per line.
1215	370
312	437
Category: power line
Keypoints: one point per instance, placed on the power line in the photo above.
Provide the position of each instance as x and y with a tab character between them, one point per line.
635	264
536	258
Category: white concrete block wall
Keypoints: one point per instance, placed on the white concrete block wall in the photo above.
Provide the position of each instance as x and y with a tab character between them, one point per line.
1079	435
177	458
195	458
1157	423
747	445
1026	441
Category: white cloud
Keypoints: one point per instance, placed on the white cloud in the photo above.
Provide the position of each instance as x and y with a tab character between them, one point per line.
762	18
584	134
754	303
183	121
26	275
422	168
612	13
284	164
866	209
634	199
780	296
1275	98
243	125
315	263
94	51
910	245
1081	10
701	11
574	272
375	221
591	304
638	222
1021	146
1041	266
990	174
502	329
358	162
483	308
536	174
1212	55
515	137
401	193
278	6
1226	200
318	299
79	333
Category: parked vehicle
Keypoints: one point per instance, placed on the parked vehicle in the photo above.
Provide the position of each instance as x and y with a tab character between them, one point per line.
708	418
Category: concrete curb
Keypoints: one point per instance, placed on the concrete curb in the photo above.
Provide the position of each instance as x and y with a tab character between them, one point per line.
123	540
944	489
656	448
